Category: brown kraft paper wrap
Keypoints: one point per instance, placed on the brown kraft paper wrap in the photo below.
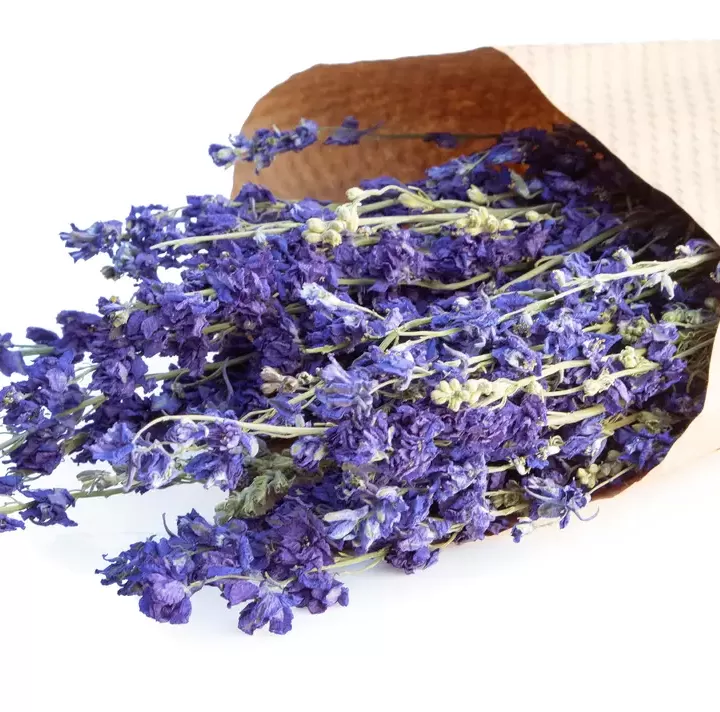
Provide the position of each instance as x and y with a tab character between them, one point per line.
655	106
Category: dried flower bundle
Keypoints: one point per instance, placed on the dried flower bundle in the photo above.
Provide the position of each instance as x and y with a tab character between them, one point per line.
426	363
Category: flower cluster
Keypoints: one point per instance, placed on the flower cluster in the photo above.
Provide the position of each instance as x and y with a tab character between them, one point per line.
266	144
476	352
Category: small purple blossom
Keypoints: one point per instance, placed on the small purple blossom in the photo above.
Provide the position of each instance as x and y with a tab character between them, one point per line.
48	507
349	133
317	591
99	237
10	361
9	524
115	446
553	501
165	599
10	484
270	608
264	145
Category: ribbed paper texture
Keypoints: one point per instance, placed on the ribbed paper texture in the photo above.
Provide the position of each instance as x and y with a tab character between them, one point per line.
656	106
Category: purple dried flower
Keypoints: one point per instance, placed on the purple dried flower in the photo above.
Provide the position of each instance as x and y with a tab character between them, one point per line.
10	484
270	608
115	445
317	591
236	590
9	524
349	133
99	237
553	501
165	599
299	540
344	392
10	361
222	469
308	452
152	466
49	506
264	145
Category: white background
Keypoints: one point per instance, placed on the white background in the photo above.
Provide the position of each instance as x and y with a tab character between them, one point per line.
103	108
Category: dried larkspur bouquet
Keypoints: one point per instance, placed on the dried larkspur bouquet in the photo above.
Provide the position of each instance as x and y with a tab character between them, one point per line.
370	381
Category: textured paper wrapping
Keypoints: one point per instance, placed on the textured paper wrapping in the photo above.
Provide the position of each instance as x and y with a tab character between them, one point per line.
655	106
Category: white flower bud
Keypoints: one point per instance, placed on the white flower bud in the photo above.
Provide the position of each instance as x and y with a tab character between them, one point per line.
337	225
535	388
622	255
316	225
554	444
587	477
520	465
492	224
667	285
475	389
474	220
455	402
479	385
332	238
476	195
270	389
630	357
441	394
414	202
533	216
593	386
506	225
355	193
271	375
349	215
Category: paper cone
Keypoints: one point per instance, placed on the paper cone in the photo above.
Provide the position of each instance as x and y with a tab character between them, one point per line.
654	106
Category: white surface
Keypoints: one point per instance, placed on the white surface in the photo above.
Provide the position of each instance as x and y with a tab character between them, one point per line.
106	108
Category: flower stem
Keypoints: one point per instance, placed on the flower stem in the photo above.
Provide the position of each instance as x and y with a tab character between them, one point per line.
342	563
76	494
557	420
278	431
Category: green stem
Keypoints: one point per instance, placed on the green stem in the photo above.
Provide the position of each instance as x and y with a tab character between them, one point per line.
557	420
543	265
278	431
220	326
76	494
35	350
96	400
215	366
215	579
12	443
693	349
342	563
432	284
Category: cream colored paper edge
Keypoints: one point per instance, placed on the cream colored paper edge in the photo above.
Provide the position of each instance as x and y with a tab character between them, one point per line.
656	106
